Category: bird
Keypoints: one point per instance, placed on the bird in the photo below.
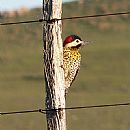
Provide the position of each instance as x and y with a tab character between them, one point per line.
71	59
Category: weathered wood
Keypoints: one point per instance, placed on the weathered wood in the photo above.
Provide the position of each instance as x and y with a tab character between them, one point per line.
53	62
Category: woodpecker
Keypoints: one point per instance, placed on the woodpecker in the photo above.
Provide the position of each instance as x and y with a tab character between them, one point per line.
71	59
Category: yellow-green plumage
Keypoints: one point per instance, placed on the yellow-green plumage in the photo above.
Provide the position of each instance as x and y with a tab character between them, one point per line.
71	65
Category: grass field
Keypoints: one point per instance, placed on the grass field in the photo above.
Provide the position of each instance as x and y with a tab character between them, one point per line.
104	76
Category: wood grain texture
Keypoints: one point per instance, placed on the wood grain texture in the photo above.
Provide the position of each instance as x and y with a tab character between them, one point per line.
53	62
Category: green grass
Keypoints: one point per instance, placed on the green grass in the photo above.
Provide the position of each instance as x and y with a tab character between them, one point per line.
104	75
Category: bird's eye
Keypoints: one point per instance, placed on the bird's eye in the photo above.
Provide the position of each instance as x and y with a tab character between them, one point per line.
77	41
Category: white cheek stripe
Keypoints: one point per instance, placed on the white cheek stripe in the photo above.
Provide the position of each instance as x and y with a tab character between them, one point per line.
74	43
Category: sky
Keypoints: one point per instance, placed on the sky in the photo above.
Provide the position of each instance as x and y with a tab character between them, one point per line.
15	4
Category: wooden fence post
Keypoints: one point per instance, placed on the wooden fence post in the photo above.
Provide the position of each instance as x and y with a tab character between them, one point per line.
53	62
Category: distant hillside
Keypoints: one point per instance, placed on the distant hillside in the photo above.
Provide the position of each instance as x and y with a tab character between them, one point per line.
19	12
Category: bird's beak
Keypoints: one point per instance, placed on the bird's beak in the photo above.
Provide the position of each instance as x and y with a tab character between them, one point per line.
86	42
82	43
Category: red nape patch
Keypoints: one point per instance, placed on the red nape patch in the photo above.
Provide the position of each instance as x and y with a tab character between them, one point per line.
68	40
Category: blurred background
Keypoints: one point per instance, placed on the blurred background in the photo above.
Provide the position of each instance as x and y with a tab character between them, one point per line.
104	76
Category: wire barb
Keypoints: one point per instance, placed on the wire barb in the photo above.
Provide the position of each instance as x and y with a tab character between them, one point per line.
42	111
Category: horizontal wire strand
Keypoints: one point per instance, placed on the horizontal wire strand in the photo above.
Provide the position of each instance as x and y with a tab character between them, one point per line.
23	22
67	108
22	112
66	18
95	16
98	106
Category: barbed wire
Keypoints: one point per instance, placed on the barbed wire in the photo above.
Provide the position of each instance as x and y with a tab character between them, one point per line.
67	108
66	18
